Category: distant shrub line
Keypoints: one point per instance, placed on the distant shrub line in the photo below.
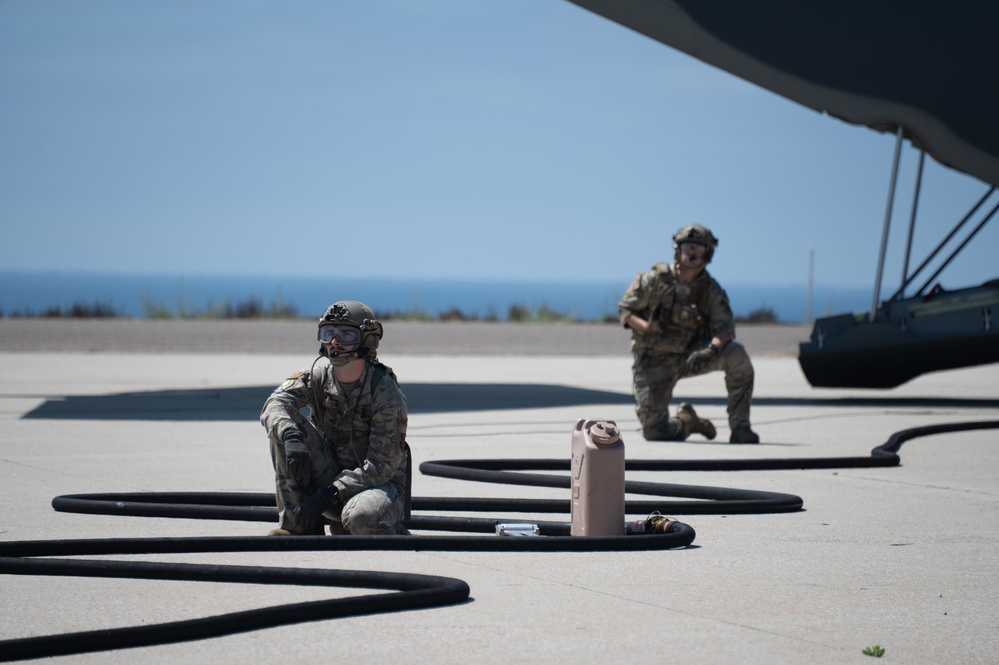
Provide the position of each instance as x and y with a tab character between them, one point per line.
254	309
79	310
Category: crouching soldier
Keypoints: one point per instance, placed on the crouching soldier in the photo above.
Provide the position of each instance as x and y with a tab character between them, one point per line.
338	434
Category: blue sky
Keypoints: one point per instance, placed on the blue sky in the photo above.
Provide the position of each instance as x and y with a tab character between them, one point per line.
485	139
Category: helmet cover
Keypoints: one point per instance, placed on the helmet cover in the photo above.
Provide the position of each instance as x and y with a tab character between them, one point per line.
699	234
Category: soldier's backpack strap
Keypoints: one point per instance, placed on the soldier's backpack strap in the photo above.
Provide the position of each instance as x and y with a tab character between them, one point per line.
385	370
318	376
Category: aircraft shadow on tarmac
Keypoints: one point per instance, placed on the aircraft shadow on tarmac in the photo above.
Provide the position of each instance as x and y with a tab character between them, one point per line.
245	403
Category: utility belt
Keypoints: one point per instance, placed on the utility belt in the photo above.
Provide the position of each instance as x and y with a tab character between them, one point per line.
671	347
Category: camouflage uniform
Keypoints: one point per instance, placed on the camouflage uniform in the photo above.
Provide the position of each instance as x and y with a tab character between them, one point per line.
683	318
356	441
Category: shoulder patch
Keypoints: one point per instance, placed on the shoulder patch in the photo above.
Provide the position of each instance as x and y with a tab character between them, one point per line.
293	379
662	266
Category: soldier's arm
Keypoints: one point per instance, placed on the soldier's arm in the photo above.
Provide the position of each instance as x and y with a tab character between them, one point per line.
720	340
722	321
284	402
637	323
636	299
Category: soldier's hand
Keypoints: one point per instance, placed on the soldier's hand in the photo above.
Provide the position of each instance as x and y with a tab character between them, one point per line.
309	515
698	360
312	508
297	455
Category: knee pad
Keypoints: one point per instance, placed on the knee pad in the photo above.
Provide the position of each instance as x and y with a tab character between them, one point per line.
364	523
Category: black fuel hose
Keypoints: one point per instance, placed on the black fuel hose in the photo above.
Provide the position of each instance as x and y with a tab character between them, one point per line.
412	591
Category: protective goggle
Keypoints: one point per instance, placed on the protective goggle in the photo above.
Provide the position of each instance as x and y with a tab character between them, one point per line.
346	335
698	247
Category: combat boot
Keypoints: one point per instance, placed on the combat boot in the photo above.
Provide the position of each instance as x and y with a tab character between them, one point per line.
742	434
694	424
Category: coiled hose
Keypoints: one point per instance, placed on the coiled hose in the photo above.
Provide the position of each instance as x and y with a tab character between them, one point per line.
412	591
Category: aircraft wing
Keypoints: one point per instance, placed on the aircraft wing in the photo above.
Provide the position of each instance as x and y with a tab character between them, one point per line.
930	67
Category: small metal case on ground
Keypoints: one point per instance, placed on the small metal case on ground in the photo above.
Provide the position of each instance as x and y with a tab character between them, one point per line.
517	529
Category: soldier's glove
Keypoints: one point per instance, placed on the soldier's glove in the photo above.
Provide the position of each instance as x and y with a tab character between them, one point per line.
314	506
297	455
698	360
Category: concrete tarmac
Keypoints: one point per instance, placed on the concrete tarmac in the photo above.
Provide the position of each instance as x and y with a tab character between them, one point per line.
904	557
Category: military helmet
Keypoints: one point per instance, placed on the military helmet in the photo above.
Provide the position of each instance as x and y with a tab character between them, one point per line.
699	234
358	315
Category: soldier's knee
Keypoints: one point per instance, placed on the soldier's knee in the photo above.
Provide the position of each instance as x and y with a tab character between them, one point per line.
357	521
371	513
366	523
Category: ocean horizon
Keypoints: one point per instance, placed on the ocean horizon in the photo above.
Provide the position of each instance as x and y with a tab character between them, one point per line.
24	293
